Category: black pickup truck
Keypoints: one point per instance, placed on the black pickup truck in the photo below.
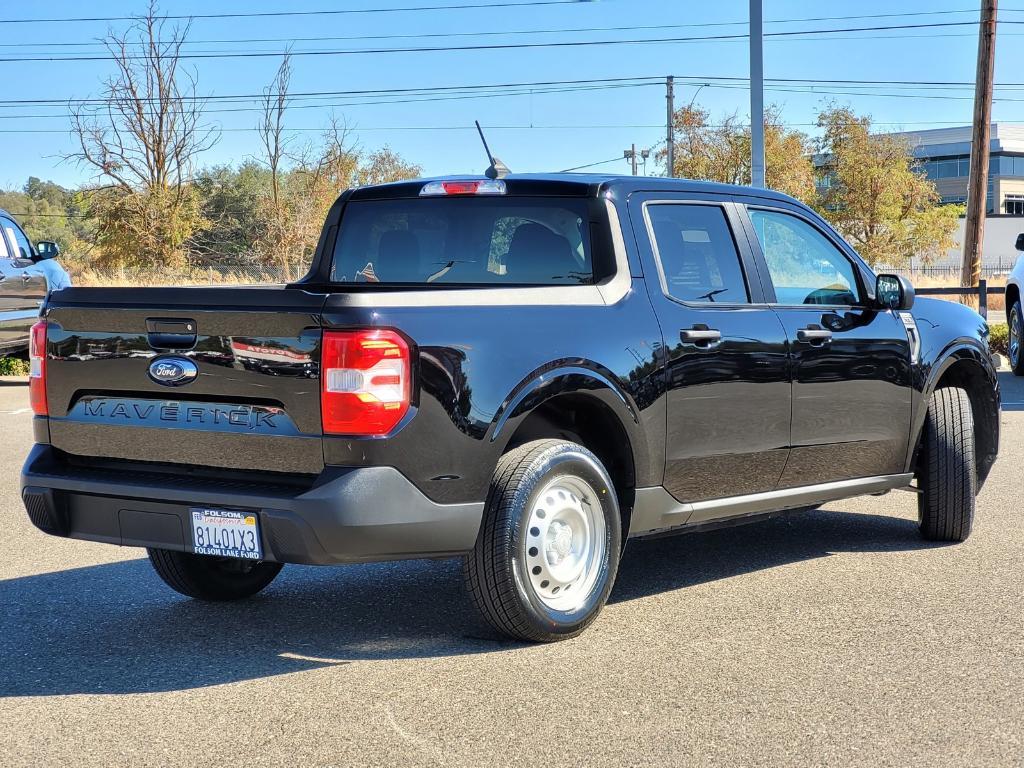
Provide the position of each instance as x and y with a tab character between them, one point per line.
523	372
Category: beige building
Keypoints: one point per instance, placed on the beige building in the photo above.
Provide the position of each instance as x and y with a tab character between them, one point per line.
945	155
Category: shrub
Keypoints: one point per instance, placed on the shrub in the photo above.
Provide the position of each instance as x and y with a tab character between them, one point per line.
999	338
13	366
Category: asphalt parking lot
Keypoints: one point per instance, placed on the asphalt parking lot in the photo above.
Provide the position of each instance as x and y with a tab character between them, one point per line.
834	637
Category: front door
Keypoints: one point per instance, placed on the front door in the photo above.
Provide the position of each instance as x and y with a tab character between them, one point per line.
728	392
850	360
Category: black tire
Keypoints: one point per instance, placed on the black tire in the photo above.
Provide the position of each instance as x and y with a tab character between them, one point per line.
1015	338
211	578
496	572
946	471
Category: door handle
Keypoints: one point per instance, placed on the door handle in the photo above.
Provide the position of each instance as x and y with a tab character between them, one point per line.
701	336
814	334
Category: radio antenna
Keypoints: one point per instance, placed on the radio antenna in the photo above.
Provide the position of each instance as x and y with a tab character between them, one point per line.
496	169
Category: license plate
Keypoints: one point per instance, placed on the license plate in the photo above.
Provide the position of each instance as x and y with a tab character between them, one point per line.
226	533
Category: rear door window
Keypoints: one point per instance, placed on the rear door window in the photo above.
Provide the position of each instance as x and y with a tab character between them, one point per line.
697	254
471	241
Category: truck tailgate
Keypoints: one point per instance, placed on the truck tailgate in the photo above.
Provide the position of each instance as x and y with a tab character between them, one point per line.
254	404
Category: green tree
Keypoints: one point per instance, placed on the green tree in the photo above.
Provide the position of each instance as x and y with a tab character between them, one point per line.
47	211
721	151
874	193
232	201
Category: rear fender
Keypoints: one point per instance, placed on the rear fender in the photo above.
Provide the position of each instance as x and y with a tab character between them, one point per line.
544	385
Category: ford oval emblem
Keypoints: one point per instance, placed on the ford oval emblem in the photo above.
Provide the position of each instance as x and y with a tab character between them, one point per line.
172	371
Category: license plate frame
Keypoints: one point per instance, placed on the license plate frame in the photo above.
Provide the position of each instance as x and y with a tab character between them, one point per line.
233	533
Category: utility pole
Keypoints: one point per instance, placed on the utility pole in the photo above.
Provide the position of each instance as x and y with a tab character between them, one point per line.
977	184
631	154
670	138
756	96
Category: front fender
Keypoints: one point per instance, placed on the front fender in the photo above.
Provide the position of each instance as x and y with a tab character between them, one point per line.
965	361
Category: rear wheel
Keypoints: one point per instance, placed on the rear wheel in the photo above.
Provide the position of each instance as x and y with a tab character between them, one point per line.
212	578
1015	322
947	475
547	552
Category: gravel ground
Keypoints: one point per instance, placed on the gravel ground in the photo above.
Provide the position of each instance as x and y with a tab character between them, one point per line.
830	637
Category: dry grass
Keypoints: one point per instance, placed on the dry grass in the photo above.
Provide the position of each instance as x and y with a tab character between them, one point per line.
996	301
148	278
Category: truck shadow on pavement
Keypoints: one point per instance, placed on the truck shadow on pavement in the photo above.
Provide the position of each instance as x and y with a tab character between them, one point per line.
116	628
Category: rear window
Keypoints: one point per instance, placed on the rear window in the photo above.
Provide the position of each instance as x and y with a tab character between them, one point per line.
465	240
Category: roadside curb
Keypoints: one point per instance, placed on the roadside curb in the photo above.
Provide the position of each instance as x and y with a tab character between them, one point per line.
11	381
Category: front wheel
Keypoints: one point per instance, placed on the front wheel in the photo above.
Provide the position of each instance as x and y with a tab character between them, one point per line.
1015	322
547	553
947	475
212	578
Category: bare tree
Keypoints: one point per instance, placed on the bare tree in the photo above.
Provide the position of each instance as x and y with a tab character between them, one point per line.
278	241
143	139
271	128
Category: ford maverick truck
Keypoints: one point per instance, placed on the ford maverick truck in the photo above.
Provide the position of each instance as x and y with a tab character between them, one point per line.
521	372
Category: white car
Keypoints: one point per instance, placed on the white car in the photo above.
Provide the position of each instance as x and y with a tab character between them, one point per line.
27	274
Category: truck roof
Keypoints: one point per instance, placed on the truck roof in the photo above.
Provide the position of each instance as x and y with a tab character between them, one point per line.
568	185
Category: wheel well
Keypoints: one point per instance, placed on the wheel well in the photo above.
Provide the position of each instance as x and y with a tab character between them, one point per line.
589	422
970	376
1012	295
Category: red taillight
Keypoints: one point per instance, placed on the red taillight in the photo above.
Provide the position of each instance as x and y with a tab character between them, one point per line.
463	187
37	368
365	386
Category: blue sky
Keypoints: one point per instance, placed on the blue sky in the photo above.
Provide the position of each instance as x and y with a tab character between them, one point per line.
569	128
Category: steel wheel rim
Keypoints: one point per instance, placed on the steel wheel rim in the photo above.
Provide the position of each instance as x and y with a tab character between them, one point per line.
1015	334
566	543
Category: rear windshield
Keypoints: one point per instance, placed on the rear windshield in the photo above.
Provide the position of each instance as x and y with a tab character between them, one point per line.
465	240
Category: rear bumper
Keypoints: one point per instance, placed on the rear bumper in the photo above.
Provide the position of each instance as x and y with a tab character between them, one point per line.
349	515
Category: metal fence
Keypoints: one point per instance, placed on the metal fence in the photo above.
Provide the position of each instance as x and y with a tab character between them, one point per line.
982	291
949	272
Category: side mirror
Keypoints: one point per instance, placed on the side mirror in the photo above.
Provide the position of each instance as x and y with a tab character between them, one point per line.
1019	245
47	249
894	292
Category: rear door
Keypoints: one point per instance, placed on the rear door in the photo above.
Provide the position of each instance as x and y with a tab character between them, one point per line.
726	366
850	360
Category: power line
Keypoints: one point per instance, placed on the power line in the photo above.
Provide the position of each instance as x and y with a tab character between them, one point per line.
364	11
500	92
489	94
599	162
488	33
361	92
499	46
278	14
639	79
356	129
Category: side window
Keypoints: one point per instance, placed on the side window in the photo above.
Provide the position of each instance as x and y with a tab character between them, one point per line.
805	267
17	237
699	260
4	250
